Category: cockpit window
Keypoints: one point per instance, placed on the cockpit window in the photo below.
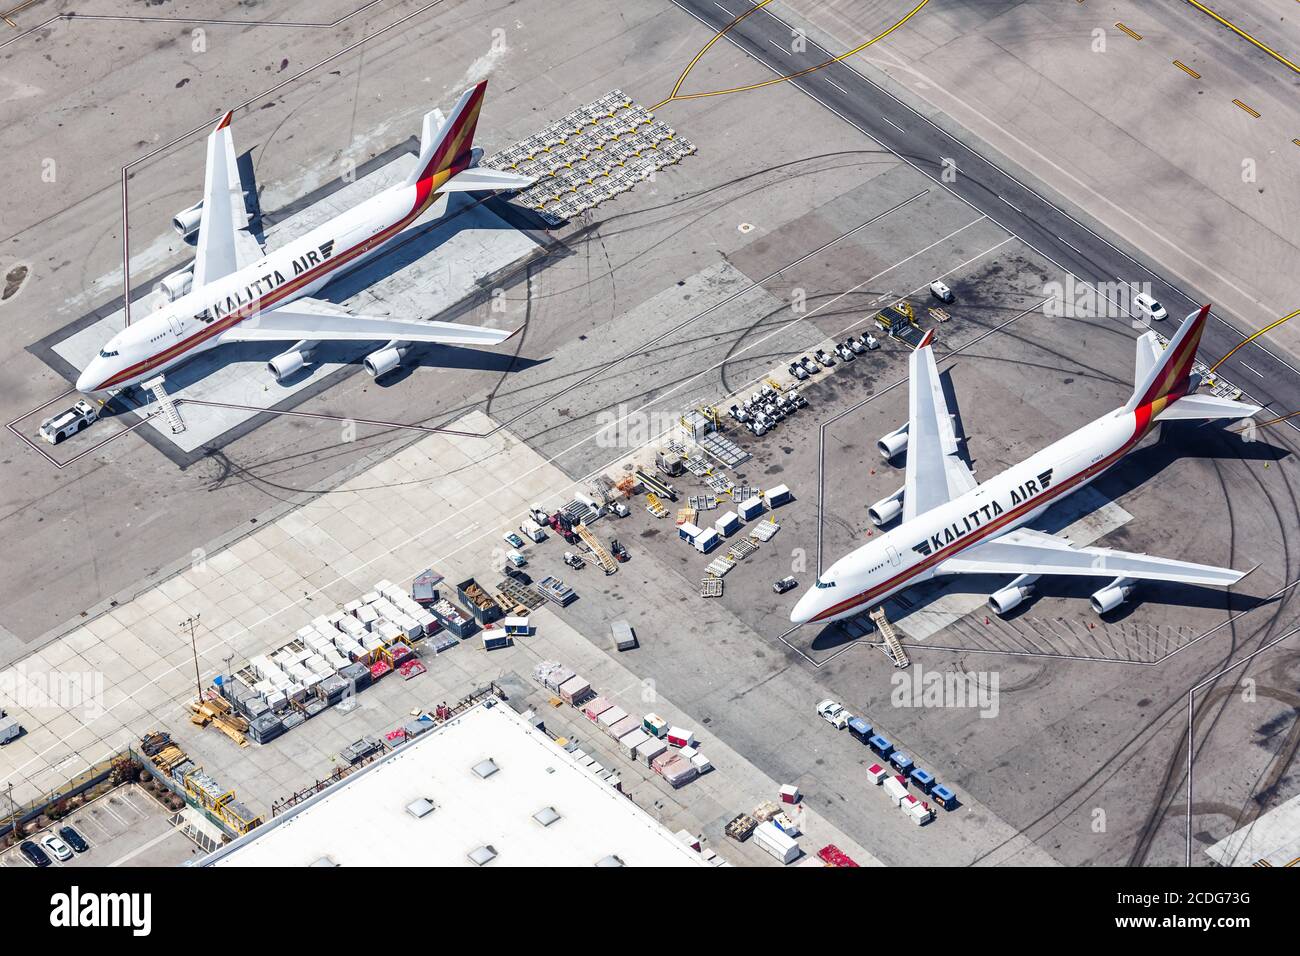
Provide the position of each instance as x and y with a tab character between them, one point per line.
105	353
821	583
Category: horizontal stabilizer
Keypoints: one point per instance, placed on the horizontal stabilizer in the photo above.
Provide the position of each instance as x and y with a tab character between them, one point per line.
480	179
1207	407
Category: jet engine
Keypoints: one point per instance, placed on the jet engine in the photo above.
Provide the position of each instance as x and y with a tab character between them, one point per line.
1006	600
386	359
1113	595
289	363
886	509
176	284
893	444
186	222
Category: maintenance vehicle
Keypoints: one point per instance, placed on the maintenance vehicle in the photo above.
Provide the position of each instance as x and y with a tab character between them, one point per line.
69	422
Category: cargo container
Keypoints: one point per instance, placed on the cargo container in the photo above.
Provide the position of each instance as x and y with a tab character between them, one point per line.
533	531
688	533
575	690
479	602
778	496
923	779
495	640
728	524
10	729
877	774
654	724
789	793
516	626
895	790
860	729
677	772
629	742
707	540
647	750
751	508
920	814
769	837
613	715
595	707
881	745
902	762
944	797
623	727
623	635
681	737
456	621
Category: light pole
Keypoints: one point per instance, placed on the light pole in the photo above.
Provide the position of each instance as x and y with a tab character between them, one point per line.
192	623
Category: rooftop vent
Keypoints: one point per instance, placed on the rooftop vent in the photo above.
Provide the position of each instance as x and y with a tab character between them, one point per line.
483	855
420	808
546	816
486	768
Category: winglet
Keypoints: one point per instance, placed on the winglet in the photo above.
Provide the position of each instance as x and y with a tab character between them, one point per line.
925	339
225	121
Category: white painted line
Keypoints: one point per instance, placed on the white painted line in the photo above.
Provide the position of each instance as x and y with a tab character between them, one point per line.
724	9
838	87
779	47
893	124
1016	208
1249	368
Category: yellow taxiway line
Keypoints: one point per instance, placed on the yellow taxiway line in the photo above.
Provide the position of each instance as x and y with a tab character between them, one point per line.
1251	338
1244	35
677	95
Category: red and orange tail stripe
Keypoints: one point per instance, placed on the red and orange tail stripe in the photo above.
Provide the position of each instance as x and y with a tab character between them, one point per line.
454	149
1175	374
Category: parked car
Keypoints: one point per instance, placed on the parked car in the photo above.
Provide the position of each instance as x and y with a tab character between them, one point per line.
35	855
74	839
56	847
1148	306
523	577
513	539
834	714
798	371
785	584
941	291
809	366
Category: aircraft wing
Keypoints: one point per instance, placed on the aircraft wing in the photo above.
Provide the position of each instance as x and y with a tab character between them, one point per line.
316	321
1032	552
224	244
936	472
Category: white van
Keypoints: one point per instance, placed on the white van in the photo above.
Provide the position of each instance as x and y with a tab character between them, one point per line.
941	291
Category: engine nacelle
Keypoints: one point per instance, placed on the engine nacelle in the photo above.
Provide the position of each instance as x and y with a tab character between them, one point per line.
288	364
176	284
886	509
893	444
186	222
1007	599
385	360
1113	595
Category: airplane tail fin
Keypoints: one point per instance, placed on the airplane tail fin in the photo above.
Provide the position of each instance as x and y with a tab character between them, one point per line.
448	148
1167	377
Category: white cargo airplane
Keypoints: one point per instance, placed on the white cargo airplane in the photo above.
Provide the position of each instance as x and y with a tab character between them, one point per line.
237	292
954	525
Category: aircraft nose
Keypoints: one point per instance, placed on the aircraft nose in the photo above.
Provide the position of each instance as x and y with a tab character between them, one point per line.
804	609
85	381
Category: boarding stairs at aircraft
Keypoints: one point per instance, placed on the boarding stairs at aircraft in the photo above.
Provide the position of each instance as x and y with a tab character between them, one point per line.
893	648
603	557
165	402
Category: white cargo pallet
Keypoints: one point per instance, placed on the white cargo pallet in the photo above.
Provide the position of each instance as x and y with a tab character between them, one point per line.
711	587
719	567
765	530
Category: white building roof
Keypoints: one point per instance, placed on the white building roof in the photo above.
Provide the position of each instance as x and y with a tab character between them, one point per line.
538	807
1273	838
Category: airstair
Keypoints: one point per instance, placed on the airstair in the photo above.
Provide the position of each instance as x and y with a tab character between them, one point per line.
165	402
603	557
893	648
